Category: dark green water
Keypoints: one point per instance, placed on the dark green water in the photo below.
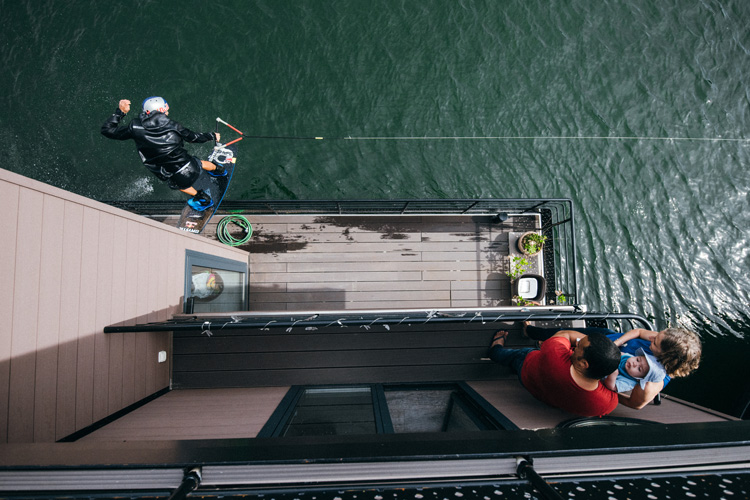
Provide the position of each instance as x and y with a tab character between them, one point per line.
662	223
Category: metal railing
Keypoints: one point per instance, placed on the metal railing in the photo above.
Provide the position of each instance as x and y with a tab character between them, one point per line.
210	323
470	206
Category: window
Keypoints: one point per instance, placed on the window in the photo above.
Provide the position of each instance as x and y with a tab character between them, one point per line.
332	411
382	409
214	284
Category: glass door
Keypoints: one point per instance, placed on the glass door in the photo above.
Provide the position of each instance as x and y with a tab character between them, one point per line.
214	284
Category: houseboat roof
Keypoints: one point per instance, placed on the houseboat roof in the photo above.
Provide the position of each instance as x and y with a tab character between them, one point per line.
121	378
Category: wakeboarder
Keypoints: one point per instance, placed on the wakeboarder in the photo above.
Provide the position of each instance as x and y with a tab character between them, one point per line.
160	142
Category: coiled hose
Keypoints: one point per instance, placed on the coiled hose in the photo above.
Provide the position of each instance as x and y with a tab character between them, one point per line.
222	230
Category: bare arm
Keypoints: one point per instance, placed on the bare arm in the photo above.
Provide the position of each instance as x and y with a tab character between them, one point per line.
571	335
609	381
641	397
636	333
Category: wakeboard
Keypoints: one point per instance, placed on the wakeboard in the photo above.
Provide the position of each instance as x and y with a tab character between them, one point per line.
192	220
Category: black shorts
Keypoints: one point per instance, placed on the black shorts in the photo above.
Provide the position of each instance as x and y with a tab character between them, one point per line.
185	176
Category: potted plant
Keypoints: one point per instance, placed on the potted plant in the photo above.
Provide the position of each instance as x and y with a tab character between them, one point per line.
531	243
518	267
520	301
519	274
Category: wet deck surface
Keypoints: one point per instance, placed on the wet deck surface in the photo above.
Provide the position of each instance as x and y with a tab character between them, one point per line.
378	262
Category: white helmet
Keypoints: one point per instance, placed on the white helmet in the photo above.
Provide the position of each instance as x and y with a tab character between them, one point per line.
155	104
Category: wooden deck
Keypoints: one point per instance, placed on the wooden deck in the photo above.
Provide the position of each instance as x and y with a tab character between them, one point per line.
379	262
224	413
327	263
242	412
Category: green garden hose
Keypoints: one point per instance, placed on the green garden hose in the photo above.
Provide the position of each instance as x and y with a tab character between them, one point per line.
222	230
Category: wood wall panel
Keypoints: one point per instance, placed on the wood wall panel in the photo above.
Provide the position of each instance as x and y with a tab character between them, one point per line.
87	319
131	312
67	353
116	342
8	229
72	266
48	321
103	315
144	310
25	314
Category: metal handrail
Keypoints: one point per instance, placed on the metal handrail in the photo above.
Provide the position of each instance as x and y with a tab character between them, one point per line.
207	323
484	206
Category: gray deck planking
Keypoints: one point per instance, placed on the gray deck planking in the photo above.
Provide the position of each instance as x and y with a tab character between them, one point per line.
376	262
513	401
224	413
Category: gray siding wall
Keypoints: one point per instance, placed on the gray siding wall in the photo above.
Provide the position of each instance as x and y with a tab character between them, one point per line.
71	266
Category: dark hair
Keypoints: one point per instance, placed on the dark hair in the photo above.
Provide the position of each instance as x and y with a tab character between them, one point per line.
602	355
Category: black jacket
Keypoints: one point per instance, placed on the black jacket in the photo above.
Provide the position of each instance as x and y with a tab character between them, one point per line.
159	140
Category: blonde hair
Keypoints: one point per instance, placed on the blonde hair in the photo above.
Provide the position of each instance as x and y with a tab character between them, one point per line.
680	351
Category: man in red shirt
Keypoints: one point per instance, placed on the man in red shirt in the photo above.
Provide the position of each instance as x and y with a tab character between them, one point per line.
566	371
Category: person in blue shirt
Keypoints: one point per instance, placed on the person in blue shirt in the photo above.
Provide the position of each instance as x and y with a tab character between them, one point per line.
677	349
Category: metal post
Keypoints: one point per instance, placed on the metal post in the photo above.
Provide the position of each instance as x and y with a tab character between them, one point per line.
526	471
190	482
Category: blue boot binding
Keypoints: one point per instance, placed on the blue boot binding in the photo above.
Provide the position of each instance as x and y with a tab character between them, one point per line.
200	202
219	171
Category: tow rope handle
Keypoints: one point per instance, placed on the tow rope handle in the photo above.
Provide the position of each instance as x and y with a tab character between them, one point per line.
219	120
